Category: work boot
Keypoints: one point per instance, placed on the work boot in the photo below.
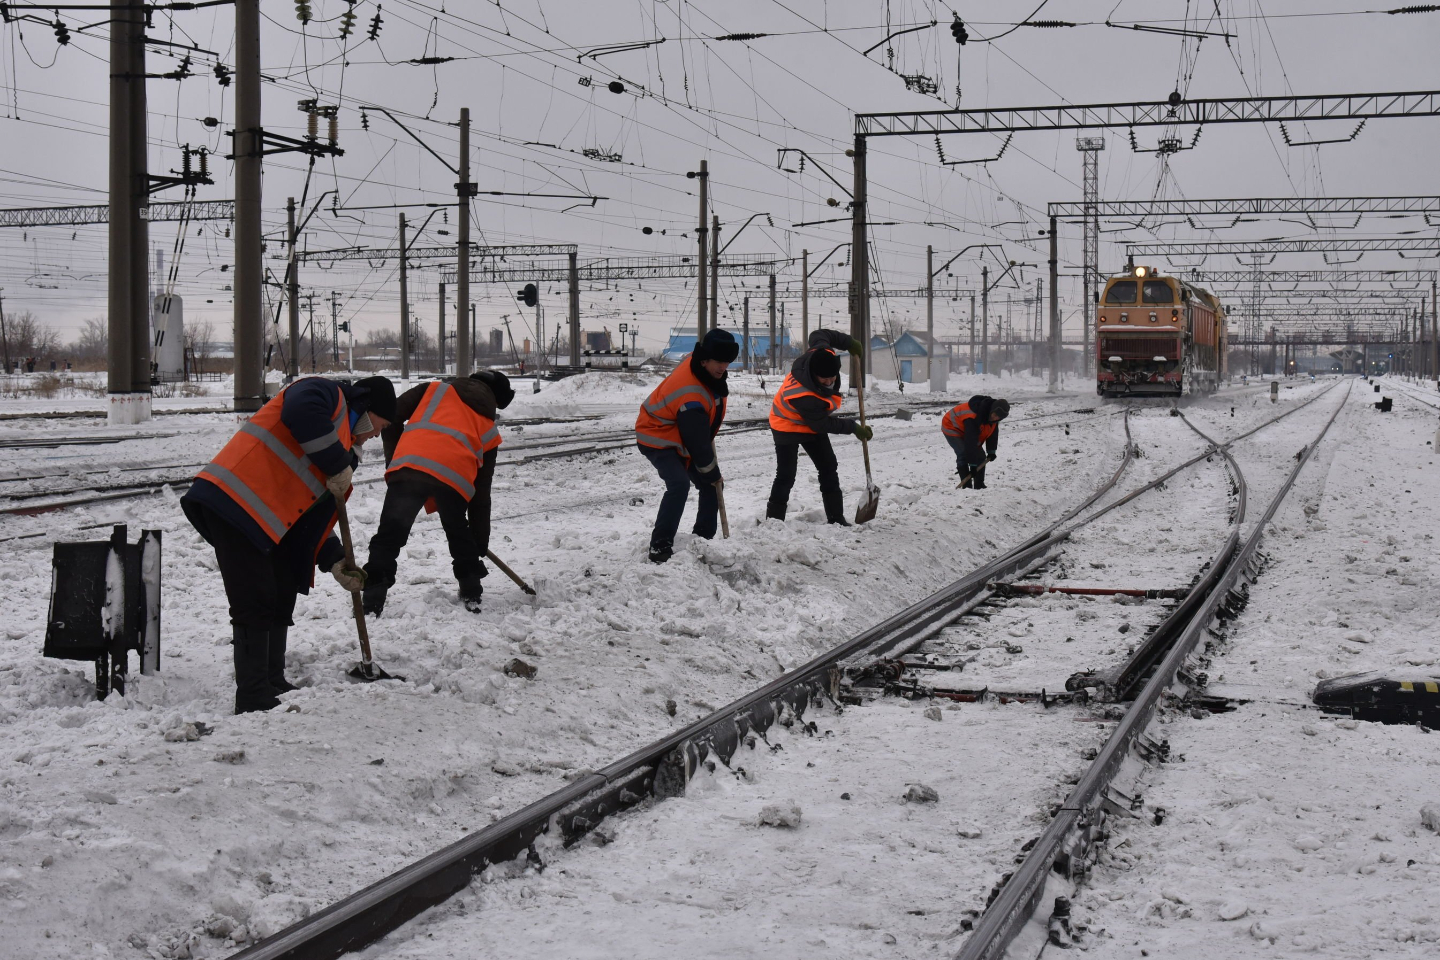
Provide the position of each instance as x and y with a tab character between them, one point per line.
471	591
276	648
661	552
252	670
834	501
775	509
372	601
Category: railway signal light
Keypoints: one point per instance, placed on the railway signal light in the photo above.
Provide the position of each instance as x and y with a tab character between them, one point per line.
958	31
529	295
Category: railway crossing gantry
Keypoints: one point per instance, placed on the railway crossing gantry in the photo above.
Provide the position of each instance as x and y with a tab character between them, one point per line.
1173	111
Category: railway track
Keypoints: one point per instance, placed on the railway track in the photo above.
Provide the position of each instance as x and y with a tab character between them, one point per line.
23	501
663	768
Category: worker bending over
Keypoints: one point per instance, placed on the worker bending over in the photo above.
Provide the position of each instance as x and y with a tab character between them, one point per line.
440	454
967	427
676	431
266	503
802	415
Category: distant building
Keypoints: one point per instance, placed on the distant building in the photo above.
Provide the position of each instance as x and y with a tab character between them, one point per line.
908	359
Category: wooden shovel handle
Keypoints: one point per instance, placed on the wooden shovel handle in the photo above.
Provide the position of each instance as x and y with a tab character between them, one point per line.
358	605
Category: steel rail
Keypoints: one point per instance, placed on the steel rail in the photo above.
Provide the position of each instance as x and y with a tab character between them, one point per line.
1081	817
659	770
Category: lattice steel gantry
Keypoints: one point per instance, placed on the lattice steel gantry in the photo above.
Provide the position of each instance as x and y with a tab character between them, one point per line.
1090	148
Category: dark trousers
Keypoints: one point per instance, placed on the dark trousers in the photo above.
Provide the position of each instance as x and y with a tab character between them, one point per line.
679	474
261	587
405	497
787	457
958	445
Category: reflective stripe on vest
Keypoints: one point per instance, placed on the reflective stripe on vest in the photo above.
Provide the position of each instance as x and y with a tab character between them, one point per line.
783	415
268	473
953	423
446	439
655	425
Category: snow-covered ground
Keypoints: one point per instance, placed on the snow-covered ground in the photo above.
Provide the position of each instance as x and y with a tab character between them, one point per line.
181	844
122	836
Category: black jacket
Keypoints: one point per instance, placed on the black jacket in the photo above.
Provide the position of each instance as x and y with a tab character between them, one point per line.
815	411
697	430
478	397
980	405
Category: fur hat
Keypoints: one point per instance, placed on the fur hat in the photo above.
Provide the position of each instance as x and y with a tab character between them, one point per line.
823	363
499	385
376	395
718	345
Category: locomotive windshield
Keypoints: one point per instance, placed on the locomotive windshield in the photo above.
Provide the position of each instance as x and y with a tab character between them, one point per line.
1157	291
1121	291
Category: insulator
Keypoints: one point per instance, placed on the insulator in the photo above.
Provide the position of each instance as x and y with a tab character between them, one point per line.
204	163
302	11
312	124
334	129
185	163
347	21
62	33
375	22
364	120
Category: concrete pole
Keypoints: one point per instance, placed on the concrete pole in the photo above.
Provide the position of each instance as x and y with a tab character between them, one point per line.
972	329
574	312
804	300
715	273
773	359
334	330
404	306
929	310
292	291
704	231
442	330
1054	384
249	269
1434	358
859	267
127	15
464	351
140	301
985	320
745	337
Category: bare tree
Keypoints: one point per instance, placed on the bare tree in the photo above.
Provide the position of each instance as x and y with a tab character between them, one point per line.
26	336
199	341
94	341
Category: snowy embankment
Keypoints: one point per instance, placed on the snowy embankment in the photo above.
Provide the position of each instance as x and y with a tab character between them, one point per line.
158	823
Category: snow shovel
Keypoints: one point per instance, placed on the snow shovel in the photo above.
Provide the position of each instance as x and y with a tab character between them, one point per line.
866	511
510	573
720	500
366	670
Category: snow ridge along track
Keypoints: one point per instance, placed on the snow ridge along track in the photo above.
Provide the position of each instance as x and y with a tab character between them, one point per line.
1064	845
663	768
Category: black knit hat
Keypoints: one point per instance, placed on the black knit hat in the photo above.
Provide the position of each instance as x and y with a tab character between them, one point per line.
823	363
499	385
376	395
1000	409
718	345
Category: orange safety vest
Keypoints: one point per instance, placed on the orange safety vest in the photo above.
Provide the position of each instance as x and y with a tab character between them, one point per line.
784	416
655	426
953	423
267	472
446	439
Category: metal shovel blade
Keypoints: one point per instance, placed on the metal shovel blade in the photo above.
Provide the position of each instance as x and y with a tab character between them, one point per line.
865	512
368	671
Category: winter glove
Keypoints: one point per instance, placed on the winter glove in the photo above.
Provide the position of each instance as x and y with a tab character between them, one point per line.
863	432
340	483
990	458
350	578
856	347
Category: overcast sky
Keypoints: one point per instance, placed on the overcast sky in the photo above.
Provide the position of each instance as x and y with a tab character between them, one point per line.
536	82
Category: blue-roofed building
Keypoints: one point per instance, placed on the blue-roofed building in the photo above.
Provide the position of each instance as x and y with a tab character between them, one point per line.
908	358
684	343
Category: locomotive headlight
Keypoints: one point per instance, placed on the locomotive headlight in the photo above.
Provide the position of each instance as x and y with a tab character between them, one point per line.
1124	318
1139	271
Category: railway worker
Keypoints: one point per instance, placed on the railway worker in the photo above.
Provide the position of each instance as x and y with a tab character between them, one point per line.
675	431
803	416
440	455
969	425
266	503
